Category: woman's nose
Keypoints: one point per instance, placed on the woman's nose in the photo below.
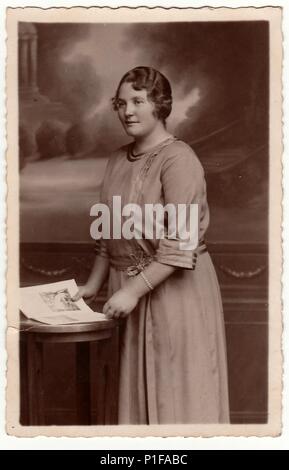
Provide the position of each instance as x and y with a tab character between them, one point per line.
129	109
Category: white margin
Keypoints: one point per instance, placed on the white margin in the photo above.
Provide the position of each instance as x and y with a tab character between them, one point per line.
281	442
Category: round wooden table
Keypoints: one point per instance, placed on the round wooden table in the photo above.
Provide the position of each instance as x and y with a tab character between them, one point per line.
33	335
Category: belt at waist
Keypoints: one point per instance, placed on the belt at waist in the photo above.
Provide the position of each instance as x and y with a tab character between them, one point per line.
136	262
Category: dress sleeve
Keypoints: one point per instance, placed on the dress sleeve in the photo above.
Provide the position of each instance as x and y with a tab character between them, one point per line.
183	183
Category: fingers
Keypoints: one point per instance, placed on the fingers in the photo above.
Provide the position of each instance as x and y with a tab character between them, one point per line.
81	293
105	308
111	312
89	300
123	315
76	297
108	311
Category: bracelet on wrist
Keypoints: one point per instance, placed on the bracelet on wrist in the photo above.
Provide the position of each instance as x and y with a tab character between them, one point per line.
148	283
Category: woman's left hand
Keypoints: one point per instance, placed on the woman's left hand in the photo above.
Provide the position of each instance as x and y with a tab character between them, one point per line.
120	304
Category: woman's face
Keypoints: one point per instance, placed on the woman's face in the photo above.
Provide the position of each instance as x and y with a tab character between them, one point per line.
136	111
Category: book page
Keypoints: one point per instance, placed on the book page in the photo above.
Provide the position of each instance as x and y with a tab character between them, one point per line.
53	304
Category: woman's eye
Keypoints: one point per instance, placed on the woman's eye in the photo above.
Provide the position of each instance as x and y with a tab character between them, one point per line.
138	101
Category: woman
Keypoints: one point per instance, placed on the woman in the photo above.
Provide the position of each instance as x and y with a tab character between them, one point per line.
172	343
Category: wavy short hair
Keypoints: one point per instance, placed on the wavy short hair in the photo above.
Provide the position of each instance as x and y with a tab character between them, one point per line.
155	83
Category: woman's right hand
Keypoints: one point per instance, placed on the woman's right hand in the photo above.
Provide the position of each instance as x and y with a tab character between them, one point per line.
85	292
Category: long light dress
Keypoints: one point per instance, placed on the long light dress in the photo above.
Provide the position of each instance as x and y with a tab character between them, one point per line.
173	365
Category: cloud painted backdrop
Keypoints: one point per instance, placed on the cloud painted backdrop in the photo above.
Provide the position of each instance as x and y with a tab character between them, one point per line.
219	76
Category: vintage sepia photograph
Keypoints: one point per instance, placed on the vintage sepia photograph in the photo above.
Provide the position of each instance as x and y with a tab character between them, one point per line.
172	112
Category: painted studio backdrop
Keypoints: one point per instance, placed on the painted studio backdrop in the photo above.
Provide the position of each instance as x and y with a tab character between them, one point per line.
67	76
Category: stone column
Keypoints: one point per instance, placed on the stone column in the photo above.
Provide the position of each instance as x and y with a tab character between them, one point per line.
33	63
24	72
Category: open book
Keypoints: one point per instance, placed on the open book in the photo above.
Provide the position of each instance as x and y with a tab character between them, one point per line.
53	304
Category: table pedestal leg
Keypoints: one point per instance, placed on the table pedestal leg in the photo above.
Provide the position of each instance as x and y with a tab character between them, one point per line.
24	392
83	399
35	381
111	385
